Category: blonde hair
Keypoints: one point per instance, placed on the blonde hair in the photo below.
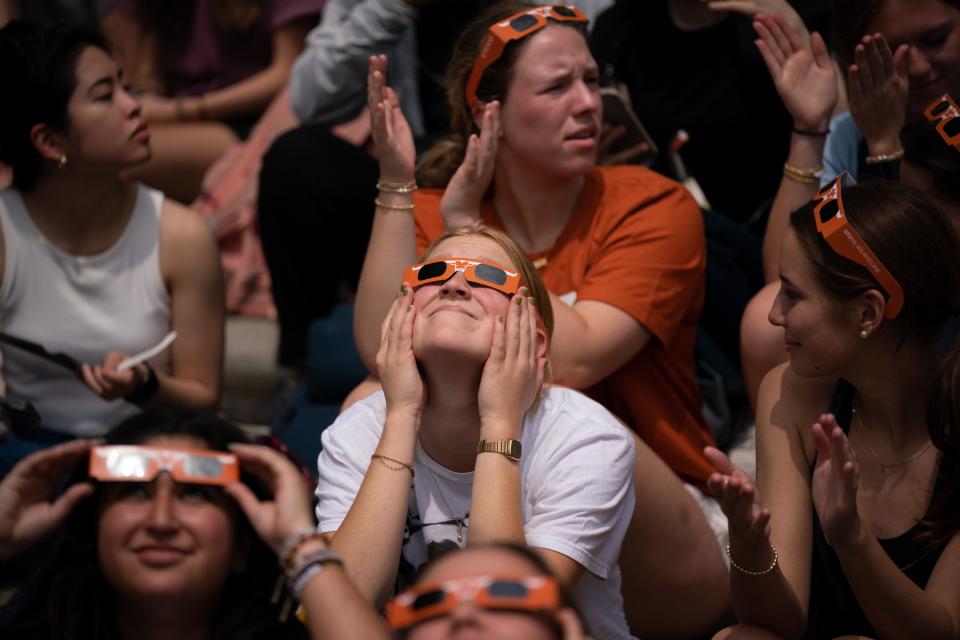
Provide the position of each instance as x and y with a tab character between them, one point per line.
529	276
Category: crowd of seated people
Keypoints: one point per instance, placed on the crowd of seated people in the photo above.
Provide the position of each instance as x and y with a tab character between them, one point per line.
529	456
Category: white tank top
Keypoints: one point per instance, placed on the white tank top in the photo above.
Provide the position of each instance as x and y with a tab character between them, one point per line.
83	306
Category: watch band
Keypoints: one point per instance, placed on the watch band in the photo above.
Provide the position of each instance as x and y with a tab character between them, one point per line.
146	388
509	448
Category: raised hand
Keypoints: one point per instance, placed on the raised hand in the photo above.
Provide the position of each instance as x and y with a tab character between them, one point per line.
108	383
878	84
748	518
27	513
514	370
835	480
396	365
278	520
460	204
389	128
803	74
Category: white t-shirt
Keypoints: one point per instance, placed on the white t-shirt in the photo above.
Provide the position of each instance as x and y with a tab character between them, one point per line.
576	486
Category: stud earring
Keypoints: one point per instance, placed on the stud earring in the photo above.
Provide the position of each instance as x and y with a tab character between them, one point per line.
864	333
62	162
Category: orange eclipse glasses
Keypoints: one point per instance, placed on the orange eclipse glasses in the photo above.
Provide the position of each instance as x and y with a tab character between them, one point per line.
485	274
516	27
532	594
945	110
131	463
836	230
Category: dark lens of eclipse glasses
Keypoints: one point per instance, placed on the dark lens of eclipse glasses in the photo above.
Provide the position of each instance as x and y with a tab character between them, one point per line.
503	589
490	274
432	270
428	599
828	210
197	467
523	23
565	12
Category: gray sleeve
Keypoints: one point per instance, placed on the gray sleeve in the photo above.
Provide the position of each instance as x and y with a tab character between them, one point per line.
328	81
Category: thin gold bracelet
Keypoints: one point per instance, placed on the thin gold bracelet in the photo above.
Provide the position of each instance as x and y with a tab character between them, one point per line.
395	207
397	187
773	565
382	459
885	157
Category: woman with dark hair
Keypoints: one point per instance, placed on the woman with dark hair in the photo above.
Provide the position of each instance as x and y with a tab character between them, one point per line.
620	249
175	532
852	525
496	591
93	269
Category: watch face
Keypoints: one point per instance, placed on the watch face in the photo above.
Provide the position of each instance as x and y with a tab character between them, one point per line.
515	449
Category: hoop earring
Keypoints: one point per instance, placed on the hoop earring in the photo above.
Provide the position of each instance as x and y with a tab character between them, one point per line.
864	334
62	162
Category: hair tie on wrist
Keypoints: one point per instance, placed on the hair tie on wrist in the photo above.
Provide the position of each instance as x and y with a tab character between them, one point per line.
814	133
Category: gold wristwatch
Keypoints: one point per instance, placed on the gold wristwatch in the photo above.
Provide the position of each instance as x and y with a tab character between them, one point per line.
509	448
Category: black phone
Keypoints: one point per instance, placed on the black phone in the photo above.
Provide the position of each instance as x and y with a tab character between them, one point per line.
616	112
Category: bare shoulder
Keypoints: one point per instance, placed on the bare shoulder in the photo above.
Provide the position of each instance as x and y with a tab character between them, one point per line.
186	241
793	403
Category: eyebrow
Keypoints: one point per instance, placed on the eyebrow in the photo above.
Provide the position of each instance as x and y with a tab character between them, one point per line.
109	81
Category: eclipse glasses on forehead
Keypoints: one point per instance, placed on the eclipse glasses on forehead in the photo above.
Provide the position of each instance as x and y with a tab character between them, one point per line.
836	230
130	463
485	274
516	27
529	593
945	113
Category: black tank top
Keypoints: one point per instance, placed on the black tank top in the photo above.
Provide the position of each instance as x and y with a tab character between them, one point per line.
834	610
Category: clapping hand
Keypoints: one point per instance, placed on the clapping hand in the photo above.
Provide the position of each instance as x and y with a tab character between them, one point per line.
27	513
460	204
389	128
878	85
802	73
748	518
835	481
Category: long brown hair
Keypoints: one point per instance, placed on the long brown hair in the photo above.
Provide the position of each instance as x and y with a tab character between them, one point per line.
915	242
440	162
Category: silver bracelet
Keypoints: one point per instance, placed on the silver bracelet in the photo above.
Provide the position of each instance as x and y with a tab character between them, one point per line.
309	566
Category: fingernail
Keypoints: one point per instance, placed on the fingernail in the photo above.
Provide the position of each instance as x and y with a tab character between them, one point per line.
532	301
519	299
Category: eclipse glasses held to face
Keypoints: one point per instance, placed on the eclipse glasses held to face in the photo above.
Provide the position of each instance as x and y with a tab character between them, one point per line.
485	274
532	594
516	27
836	230
130	463
945	110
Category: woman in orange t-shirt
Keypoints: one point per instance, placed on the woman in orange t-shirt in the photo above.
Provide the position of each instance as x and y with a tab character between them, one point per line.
621	250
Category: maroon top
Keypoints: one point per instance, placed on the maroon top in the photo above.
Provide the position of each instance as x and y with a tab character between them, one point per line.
202	59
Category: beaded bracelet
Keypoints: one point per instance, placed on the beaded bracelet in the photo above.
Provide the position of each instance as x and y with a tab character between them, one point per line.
773	565
397	187
291	546
308	566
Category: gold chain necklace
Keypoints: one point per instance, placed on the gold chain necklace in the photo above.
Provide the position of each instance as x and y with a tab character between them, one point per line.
884	467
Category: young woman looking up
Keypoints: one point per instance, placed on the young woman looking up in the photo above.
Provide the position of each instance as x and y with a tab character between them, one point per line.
851	528
91	266
462	362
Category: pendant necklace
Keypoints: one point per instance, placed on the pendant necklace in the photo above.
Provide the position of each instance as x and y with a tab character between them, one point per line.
883	466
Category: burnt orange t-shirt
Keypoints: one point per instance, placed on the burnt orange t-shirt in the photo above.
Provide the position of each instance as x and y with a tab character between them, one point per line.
635	241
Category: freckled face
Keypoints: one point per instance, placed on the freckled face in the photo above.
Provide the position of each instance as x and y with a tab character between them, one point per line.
820	334
457	317
468	621
165	540
551	112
